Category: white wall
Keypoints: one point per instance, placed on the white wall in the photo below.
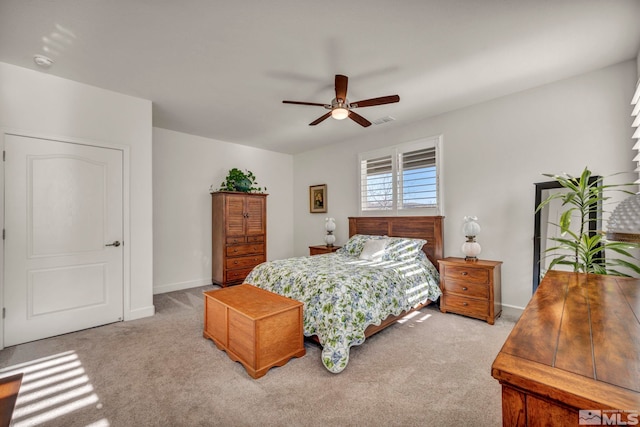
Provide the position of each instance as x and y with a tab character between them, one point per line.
184	166
493	154
39	104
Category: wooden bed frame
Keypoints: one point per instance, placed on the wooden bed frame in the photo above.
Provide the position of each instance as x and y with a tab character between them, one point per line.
429	228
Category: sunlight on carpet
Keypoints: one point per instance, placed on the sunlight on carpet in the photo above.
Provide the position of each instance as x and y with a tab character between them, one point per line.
52	387
412	317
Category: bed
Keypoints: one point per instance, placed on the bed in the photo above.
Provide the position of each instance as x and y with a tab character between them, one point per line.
385	270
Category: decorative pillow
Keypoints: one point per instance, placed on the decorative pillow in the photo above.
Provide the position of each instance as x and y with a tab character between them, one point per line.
354	245
373	249
403	249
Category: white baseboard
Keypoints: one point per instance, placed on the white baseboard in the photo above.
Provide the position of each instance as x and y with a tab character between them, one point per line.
139	313
512	311
170	287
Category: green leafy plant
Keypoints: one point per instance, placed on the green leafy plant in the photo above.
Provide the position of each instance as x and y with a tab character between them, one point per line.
585	251
238	180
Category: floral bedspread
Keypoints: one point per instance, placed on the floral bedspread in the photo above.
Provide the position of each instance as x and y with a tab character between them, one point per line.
342	295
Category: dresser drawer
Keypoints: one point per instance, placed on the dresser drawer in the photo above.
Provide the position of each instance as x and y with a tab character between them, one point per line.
255	239
466	288
245	261
470	274
469	306
237	250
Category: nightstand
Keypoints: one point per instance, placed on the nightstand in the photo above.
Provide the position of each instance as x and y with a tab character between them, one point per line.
322	249
471	288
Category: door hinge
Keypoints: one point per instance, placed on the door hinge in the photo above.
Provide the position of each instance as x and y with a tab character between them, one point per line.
3	234
4	312
4	155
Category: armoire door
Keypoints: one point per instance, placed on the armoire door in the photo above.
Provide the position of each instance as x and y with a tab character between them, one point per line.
234	215
255	210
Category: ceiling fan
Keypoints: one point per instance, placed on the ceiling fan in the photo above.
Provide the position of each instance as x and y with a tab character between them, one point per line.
340	106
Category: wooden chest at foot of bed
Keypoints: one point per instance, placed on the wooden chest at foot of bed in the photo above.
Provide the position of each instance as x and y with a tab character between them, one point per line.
255	327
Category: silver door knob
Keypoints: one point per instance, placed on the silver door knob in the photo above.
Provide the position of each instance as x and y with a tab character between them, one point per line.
116	244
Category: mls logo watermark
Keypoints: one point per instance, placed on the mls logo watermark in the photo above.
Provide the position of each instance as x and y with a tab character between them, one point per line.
608	417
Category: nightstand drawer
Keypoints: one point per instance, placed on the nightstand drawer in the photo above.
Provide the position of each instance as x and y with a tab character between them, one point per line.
469	274
468	306
466	289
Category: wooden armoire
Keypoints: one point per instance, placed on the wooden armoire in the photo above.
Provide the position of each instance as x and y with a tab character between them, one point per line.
239	235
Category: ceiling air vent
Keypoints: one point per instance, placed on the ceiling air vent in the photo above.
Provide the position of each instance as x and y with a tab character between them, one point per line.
382	120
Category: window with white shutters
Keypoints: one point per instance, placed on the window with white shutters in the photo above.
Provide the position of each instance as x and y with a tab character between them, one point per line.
401	180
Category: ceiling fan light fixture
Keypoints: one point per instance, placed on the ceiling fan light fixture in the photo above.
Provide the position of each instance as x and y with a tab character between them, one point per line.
340	108
339	113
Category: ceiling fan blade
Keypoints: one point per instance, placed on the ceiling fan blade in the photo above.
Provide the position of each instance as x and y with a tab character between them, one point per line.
306	103
320	119
359	119
341	87
375	101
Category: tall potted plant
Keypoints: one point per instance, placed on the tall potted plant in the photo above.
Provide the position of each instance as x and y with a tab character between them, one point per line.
584	251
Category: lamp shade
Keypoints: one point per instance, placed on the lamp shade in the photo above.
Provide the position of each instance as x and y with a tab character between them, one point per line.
624	222
329	224
470	227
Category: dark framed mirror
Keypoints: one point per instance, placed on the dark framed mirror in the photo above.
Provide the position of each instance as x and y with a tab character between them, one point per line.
541	222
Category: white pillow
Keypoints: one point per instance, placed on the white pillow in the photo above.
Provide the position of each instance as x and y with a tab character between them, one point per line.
373	249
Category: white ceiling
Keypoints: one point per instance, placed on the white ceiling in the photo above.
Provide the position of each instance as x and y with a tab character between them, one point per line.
221	69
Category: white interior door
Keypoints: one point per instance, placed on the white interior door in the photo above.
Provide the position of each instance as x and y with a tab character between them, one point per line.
63	207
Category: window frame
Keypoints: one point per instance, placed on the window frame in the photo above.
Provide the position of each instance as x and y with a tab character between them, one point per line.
394	151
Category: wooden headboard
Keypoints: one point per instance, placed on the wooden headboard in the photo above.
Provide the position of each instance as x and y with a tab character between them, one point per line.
418	227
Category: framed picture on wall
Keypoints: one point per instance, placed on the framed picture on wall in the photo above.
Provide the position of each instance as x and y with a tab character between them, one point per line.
318	198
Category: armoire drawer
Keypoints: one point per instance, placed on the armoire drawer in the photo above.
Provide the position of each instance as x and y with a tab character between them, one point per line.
237	276
245	261
239	250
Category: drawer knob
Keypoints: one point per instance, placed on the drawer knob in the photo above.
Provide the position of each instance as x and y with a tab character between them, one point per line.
235	262
464	273
465	288
465	304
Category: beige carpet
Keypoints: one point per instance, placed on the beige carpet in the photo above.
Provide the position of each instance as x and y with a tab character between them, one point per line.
433	369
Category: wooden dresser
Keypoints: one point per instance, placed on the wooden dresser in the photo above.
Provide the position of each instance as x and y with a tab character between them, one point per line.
239	235
471	288
574	355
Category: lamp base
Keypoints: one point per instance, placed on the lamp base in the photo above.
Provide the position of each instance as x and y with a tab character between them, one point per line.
471	250
329	239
